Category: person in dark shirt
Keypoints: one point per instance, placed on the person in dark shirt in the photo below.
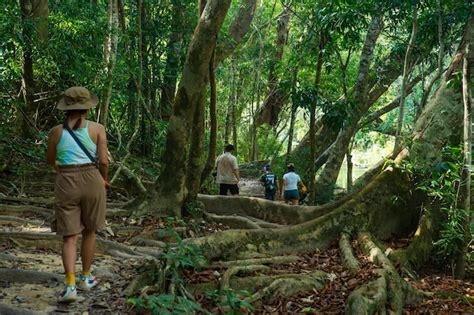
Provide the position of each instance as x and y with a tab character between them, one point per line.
270	182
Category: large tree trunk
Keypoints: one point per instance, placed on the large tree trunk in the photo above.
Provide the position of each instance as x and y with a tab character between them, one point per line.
327	179
172	60
276	98
173	178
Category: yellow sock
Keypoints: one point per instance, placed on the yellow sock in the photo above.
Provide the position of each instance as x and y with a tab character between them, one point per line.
70	278
86	273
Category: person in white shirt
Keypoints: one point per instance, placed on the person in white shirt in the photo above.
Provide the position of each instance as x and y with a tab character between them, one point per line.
228	175
291	181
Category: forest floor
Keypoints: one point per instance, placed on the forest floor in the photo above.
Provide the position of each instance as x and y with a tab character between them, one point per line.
25	209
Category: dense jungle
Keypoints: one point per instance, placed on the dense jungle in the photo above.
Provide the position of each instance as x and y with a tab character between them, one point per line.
367	103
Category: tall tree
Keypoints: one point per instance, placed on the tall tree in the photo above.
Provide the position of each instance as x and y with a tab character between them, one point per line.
110	58
276	96
172	180
238	29
468	65
173	54
406	71
327	178
34	14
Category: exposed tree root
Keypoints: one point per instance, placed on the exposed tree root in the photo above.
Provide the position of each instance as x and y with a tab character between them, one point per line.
15	221
371	298
253	284
232	221
256	261
288	286
28	201
266	210
419	249
225	280
347	256
139	241
53	242
368	209
28	276
389	293
21	210
8	310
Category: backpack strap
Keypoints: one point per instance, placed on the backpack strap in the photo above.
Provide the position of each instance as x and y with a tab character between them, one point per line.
79	143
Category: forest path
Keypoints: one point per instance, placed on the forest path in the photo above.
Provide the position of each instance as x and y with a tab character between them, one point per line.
251	187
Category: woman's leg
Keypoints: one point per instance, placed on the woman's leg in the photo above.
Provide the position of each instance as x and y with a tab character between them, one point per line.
87	250
69	257
294	202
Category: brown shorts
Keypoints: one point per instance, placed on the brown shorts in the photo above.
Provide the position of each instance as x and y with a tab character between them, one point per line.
79	200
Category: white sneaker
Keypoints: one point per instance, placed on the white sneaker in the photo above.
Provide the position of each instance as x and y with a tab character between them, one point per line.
86	282
69	294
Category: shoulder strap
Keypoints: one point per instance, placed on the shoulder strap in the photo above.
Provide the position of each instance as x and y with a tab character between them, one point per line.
79	143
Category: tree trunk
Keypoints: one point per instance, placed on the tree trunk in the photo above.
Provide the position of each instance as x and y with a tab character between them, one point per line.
172	181
327	179
239	27
34	14
276	97
110	57
312	117
292	118
460	259
406	71
173	55
211	157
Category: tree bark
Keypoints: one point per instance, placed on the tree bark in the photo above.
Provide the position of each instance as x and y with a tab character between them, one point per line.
312	116
110	57
173	55
193	80
292	119
238	29
211	157
327	179
460	259
406	71
276	98
34	14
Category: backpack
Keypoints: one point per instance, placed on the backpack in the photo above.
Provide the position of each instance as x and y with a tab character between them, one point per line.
269	181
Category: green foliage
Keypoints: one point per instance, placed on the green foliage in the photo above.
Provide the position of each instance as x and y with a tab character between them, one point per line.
232	301
165	304
168	273
181	255
442	186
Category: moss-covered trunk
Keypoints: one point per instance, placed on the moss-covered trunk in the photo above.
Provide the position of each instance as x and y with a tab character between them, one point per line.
173	178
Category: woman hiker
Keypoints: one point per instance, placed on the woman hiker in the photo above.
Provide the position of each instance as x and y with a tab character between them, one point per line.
77	150
291	181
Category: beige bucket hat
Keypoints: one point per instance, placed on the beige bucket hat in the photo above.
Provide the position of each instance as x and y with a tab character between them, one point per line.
77	97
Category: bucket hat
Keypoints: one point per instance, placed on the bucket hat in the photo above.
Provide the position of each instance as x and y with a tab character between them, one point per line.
77	97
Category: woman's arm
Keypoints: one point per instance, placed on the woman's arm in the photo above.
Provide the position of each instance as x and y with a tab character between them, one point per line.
102	153
283	185
51	151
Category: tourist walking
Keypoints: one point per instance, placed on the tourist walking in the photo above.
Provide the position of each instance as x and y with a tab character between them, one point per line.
228	175
270	182
77	149
290	184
